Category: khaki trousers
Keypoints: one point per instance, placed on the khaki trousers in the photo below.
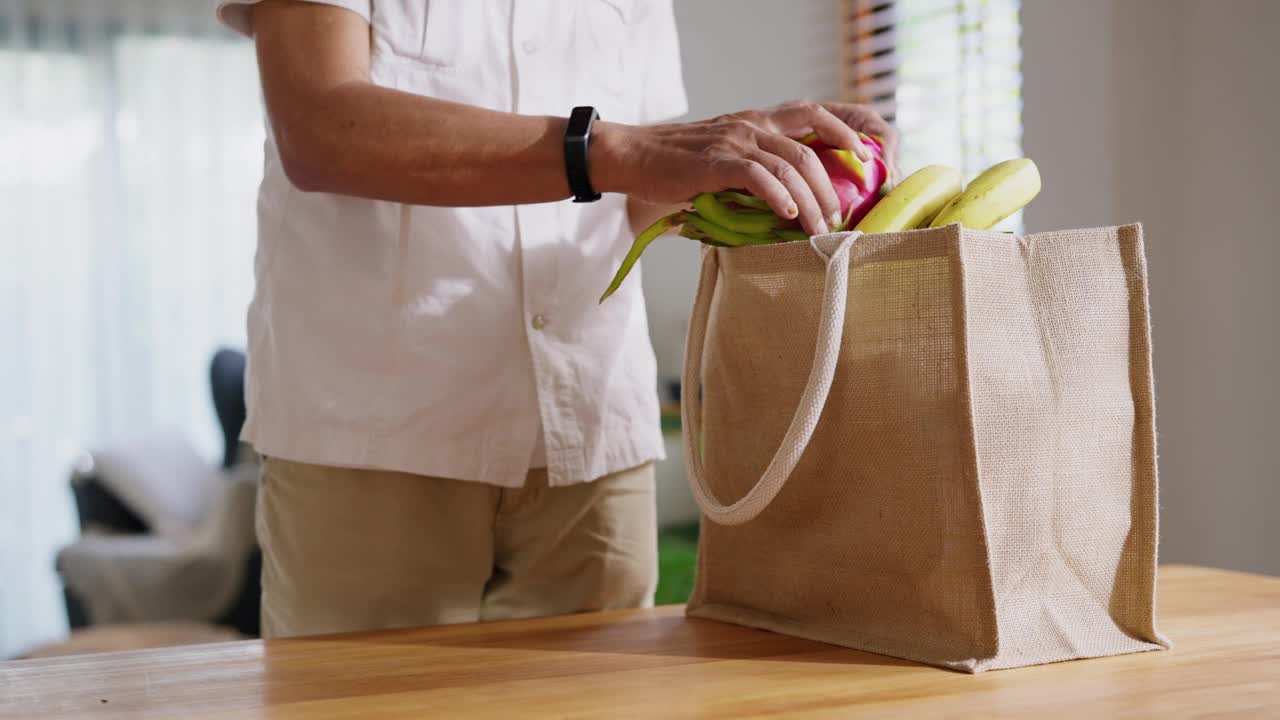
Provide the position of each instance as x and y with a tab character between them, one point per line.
347	550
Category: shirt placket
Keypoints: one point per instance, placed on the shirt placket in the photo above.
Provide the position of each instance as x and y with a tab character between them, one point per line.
539	228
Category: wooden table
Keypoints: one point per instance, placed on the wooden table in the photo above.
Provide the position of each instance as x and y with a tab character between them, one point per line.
656	664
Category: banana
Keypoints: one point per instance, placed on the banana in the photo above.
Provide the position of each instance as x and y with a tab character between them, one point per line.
915	201
1000	191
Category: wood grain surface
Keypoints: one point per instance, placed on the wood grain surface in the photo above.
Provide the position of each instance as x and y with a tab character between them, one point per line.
657	664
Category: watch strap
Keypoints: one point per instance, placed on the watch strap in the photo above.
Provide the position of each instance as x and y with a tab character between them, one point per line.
577	141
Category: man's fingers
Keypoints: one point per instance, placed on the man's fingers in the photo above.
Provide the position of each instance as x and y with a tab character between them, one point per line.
834	131
788	175
889	139
806	161
800	118
810	212
863	118
749	174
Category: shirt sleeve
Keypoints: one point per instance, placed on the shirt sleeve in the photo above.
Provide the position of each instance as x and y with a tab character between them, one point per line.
662	93
235	13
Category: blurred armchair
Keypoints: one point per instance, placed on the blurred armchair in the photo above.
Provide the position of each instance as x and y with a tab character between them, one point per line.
164	534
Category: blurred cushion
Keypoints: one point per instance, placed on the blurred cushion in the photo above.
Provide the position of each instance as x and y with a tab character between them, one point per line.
148	577
162	479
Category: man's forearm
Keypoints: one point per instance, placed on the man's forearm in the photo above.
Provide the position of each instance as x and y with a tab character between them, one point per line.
338	132
376	142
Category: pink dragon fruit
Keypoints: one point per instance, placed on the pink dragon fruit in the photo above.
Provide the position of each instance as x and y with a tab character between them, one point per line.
858	185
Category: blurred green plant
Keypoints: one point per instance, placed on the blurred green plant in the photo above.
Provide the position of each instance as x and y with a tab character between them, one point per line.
677	557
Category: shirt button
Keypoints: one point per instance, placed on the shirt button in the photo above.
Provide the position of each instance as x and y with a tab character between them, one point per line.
530	46
539	321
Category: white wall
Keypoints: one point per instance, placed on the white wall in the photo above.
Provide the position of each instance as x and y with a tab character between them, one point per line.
1163	111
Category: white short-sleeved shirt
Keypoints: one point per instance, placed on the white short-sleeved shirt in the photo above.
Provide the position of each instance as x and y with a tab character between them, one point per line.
466	343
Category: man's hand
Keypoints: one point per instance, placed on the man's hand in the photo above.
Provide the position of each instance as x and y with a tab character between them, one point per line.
754	149
864	119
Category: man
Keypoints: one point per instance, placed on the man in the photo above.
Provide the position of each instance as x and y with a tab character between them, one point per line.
454	429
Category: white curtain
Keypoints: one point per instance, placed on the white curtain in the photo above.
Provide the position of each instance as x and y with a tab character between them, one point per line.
130	150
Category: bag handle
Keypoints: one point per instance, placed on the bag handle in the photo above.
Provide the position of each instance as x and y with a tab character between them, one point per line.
835	294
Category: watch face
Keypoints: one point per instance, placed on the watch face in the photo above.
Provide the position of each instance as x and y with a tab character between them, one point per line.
580	120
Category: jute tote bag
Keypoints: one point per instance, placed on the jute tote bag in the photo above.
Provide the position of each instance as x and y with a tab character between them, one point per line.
937	444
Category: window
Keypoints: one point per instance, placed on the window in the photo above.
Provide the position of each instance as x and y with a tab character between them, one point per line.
947	72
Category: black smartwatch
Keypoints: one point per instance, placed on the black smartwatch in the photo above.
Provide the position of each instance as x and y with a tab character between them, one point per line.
577	138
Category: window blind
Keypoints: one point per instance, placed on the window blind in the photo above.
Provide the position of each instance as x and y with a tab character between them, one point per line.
946	72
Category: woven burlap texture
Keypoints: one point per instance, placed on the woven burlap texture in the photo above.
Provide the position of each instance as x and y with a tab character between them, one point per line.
979	489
